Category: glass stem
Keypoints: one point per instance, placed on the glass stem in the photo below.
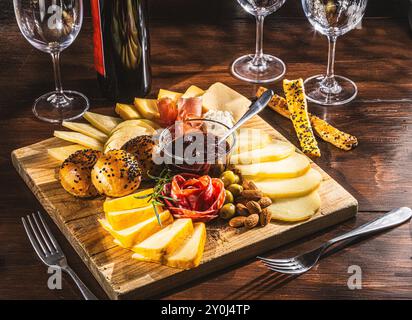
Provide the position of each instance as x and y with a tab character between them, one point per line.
329	84
56	68
258	59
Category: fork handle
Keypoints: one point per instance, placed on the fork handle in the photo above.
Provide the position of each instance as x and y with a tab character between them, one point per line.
391	219
87	294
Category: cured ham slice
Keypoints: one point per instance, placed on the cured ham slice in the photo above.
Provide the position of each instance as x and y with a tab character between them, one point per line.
189	108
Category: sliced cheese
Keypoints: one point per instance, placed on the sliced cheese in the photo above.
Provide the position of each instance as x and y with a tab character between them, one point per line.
169	94
102	122
221	97
132	201
126	218
133	235
148	124
190	252
127	111
295	209
298	108
121	136
272	152
290	167
291	187
251	139
165	241
62	153
192	92
79	138
87	129
147	108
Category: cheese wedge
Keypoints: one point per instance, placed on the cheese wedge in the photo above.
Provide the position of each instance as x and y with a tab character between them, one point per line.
170	94
86	129
190	252
291	187
192	92
165	241
127	111
298	108
62	153
295	209
148	124
102	122
272	152
79	138
290	167
132	201
147	108
221	97
251	139
133	235
126	218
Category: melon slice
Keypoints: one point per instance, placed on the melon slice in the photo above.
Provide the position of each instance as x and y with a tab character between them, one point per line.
290	167
102	122
133	235
272	152
251	139
292	187
132	201
126	218
62	153
87	129
165	241
190	252
169	94
295	209
147	108
79	138
193	92
127	111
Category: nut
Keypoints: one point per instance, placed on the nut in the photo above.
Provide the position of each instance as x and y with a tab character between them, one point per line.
265	202
245	185
237	222
252	221
241	200
265	217
253	207
252	194
252	186
242	210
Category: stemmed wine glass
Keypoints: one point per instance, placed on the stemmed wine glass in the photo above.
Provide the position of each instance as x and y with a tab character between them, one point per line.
332	18
259	67
51	26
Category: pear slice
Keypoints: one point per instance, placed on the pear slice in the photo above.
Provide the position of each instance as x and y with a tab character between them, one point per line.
290	167
147	108
132	201
165	241
79	138
126	218
87	129
127	111
272	152
62	153
295	209
102	122
291	187
193	92
169	94
133	235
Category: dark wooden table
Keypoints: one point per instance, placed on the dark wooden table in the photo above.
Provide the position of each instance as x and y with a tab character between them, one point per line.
194	44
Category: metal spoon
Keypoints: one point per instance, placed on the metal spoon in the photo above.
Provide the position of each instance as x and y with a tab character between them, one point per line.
255	108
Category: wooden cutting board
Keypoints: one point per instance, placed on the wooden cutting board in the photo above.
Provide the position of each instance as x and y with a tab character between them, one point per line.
123	277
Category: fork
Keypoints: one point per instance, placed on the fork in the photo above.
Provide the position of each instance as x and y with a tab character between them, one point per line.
304	262
49	250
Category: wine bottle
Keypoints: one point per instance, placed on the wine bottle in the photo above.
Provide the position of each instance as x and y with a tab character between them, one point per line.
121	48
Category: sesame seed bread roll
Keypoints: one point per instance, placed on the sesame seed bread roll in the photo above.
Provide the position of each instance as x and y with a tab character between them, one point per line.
75	173
116	174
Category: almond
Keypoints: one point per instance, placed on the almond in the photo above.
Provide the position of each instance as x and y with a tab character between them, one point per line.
242	210
237	222
252	186
265	217
265	202
253	207
252	221
252	194
245	185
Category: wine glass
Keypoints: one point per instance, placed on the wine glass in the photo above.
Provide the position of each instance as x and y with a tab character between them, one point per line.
259	67
332	18
51	26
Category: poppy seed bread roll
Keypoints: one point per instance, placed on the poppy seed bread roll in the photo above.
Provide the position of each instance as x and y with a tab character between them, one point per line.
116	174
75	173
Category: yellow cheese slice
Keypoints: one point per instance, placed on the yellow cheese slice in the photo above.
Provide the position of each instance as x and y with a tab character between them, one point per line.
127	111
193	92
132	201
86	129
121	136
126	218
147	108
295	209
133	235
79	138
272	152
148	124
102	122
291	187
251	139
62	153
170	94
290	167
165	241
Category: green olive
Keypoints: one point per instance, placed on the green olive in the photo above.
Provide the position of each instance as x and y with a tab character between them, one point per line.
227	211
237	179
228	178
235	189
229	197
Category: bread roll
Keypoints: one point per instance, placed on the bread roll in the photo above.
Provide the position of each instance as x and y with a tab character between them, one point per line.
75	173
116	173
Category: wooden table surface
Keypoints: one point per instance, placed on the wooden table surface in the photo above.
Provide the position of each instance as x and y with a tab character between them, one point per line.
192	45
